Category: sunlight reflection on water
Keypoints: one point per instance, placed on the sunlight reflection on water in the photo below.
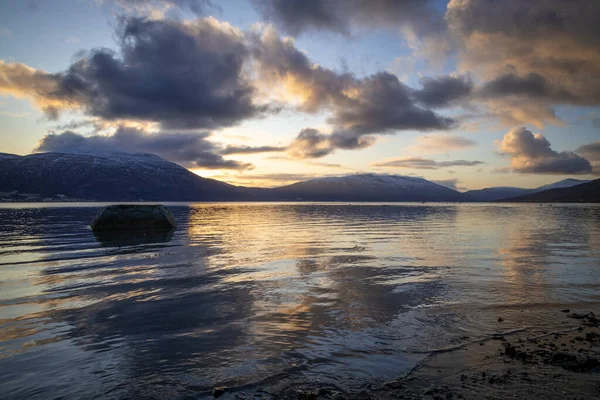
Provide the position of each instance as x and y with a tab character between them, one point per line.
242	292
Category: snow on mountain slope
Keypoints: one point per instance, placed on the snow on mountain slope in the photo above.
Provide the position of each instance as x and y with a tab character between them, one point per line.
107	177
370	187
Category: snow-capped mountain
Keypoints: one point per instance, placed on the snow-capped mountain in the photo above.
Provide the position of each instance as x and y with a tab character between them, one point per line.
106	177
369	187
134	177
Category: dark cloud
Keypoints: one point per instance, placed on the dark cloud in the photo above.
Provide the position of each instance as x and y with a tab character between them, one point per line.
187	149
444	91
533	85
546	52
230	149
424	163
592	153
531	153
375	104
182	75
378	103
341	16
360	108
208	160
350	140
192	75
575	19
296	16
310	143
383	104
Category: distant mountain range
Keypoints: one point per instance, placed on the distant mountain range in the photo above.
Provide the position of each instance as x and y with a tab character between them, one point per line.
585	193
499	193
147	177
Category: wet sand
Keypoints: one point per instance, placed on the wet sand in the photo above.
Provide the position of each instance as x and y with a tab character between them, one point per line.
562	364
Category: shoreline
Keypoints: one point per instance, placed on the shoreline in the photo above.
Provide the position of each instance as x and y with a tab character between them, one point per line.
561	364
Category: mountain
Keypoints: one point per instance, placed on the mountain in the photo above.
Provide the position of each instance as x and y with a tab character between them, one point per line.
499	193
107	177
368	187
584	193
496	193
135	177
565	183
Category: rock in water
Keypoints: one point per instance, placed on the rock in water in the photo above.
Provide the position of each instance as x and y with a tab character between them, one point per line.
134	217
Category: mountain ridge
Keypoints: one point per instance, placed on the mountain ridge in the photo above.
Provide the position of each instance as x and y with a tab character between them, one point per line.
588	192
124	176
370	187
98	177
503	192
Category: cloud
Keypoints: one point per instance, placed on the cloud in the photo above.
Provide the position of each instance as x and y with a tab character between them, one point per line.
531	153
231	149
510	84
5	32
449	183
378	103
310	143
444	91
382	104
424	163
342	16
22	81
592	153
146	7
181	75
197	75
540	54
187	149
359	108
329	165
440	143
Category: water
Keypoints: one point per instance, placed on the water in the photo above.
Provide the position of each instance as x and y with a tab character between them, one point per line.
247	292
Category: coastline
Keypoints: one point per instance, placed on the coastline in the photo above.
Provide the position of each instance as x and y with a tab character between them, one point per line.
561	364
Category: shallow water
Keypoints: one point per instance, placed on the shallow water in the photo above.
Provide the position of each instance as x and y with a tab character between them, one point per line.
245	292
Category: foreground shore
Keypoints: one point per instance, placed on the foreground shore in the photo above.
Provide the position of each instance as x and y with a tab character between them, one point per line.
561	364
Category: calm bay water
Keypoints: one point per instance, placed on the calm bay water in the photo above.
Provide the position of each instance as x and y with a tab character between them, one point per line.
245	292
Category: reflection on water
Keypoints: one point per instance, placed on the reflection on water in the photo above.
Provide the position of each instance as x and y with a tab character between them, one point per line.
121	238
245	292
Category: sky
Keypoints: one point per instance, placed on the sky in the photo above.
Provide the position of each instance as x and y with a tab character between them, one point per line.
466	93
